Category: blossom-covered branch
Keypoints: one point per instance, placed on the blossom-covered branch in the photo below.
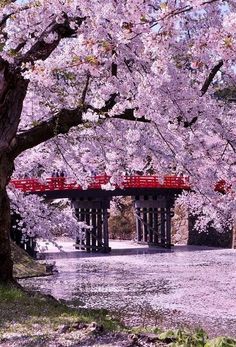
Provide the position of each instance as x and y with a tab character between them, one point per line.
59	124
42	48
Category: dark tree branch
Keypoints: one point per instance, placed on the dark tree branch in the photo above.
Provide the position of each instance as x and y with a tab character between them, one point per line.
85	89
7	16
108	105
114	69
4	19
211	76
186	124
180	10
128	114
58	124
41	49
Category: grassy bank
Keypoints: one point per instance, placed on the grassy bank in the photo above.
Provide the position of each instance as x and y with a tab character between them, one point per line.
37	319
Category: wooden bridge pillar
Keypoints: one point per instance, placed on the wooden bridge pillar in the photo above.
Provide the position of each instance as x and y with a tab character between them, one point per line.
153	219
93	211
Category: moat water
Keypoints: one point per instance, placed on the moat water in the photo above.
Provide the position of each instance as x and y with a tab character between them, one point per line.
187	286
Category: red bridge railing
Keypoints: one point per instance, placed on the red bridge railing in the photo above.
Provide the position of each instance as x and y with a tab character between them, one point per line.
30	185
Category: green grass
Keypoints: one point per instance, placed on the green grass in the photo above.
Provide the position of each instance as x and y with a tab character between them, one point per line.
24	314
186	338
10	294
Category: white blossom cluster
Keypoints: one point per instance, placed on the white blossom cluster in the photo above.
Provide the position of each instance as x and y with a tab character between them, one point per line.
41	219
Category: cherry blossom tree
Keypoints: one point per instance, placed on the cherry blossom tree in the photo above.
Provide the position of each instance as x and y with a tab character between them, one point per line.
107	85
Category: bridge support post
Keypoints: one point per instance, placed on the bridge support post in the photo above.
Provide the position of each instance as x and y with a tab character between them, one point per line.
94	212
155	226
153	219
138	225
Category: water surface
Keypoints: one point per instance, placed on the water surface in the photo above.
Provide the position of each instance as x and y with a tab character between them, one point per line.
191	286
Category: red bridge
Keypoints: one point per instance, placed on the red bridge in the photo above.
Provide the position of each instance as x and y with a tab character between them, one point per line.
153	198
35	185
153	204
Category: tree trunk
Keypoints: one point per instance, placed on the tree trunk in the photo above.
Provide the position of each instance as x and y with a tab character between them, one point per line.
12	93
6	264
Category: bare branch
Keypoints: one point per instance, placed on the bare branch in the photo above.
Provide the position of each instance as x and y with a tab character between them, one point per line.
211	76
128	114
85	89
181	10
